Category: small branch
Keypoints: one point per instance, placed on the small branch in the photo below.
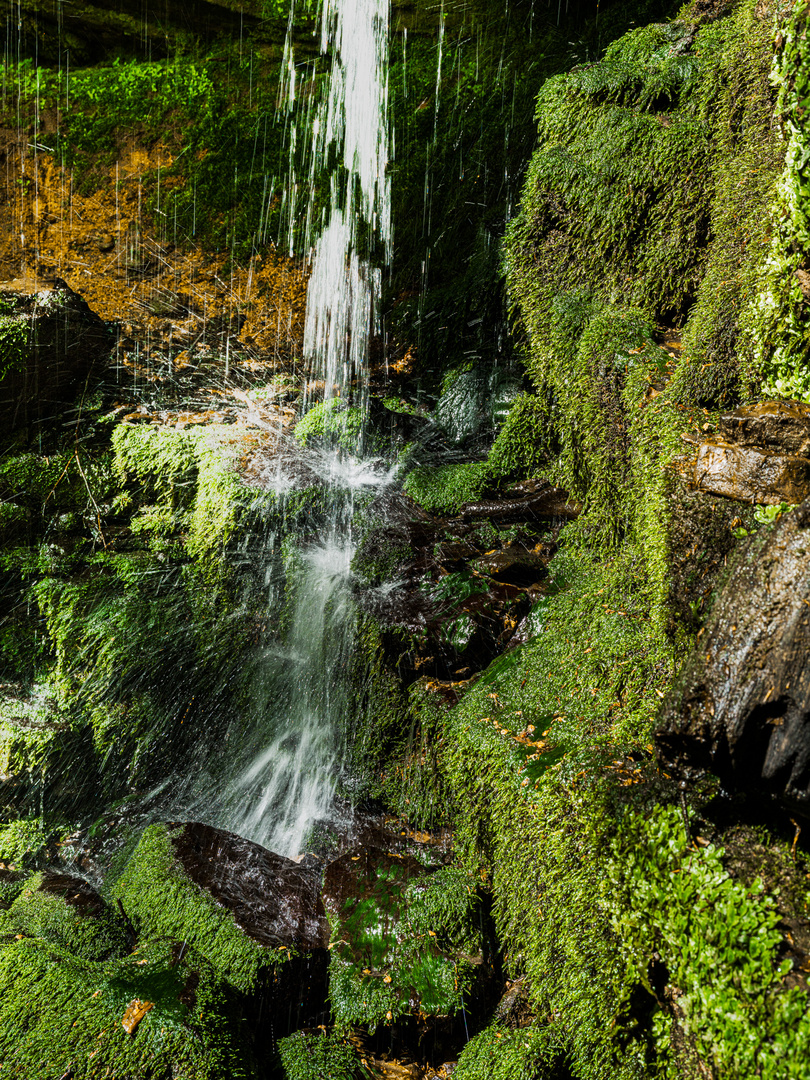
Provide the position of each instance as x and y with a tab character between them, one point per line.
90	493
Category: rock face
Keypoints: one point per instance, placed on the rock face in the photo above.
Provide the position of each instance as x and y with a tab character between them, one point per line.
461	586
762	454
275	901
49	345
776	425
741	705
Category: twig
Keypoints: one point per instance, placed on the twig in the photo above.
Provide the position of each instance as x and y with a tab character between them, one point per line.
685	813
796	836
90	493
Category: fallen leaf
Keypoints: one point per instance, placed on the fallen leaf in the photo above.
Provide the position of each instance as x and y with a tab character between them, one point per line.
136	1011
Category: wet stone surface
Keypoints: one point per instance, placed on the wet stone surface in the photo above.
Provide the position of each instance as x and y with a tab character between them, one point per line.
274	900
761	454
778	425
51	343
740	707
75	891
461	586
751	473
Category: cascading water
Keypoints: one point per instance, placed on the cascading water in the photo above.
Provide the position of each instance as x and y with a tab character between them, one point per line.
300	691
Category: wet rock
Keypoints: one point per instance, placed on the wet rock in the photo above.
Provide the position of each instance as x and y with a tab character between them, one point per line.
50	343
461	586
741	706
73	891
775	425
762	454
514	1009
255	915
752	473
524	503
516	564
274	900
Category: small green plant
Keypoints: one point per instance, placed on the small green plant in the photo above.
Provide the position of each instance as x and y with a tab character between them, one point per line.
306	1056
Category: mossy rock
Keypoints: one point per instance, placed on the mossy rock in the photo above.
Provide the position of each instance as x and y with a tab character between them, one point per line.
521	1054
191	477
332	422
444	489
61	1016
50	345
247	910
405	940
67	911
307	1056
41	750
11	884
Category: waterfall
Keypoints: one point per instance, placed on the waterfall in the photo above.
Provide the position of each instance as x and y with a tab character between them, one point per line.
301	687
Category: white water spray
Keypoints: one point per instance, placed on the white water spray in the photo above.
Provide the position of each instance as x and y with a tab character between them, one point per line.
301	689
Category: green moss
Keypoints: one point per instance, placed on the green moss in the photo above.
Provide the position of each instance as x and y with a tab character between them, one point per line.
11	884
521	1054
778	327
403	945
60	1015
319	1057
22	840
41	912
444	489
521	446
192	475
14	343
721	944
632	217
163	902
379	706
47	482
39	751
557	803
332	421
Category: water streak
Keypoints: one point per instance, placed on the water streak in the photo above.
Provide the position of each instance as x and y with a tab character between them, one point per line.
300	693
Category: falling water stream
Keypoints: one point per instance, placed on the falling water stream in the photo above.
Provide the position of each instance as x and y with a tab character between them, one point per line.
301	687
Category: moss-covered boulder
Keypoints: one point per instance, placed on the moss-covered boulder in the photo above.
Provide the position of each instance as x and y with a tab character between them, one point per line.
249	911
67	911
161	1012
